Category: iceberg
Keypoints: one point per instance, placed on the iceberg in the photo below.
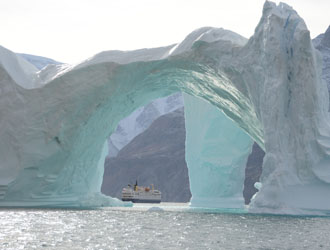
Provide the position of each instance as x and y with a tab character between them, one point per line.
55	122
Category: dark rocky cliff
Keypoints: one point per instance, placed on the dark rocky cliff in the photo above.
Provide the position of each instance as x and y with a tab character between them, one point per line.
253	171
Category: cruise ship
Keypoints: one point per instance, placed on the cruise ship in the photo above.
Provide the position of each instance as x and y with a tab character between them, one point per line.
141	194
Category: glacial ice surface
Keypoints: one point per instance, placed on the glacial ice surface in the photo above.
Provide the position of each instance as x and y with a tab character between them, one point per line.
216	154
54	123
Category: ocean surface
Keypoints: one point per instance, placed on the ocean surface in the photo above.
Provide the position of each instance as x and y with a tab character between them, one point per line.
157	228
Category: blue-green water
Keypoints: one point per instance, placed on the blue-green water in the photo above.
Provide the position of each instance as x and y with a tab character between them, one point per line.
133	229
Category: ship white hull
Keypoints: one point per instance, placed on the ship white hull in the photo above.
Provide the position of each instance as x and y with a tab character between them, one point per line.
142	200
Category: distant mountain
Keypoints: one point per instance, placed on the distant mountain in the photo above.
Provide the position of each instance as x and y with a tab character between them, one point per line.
140	120
156	156
38	61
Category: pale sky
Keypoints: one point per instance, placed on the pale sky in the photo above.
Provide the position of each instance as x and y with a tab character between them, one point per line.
73	30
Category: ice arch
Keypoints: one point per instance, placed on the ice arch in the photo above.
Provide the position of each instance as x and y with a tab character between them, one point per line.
52	136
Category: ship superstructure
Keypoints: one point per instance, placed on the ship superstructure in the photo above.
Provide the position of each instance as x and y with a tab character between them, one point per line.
139	194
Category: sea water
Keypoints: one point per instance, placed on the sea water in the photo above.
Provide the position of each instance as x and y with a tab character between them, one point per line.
158	228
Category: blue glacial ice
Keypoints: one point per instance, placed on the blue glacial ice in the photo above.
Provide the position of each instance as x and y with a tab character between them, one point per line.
54	122
216	154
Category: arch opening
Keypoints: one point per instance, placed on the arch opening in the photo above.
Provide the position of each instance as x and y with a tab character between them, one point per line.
217	155
148	146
